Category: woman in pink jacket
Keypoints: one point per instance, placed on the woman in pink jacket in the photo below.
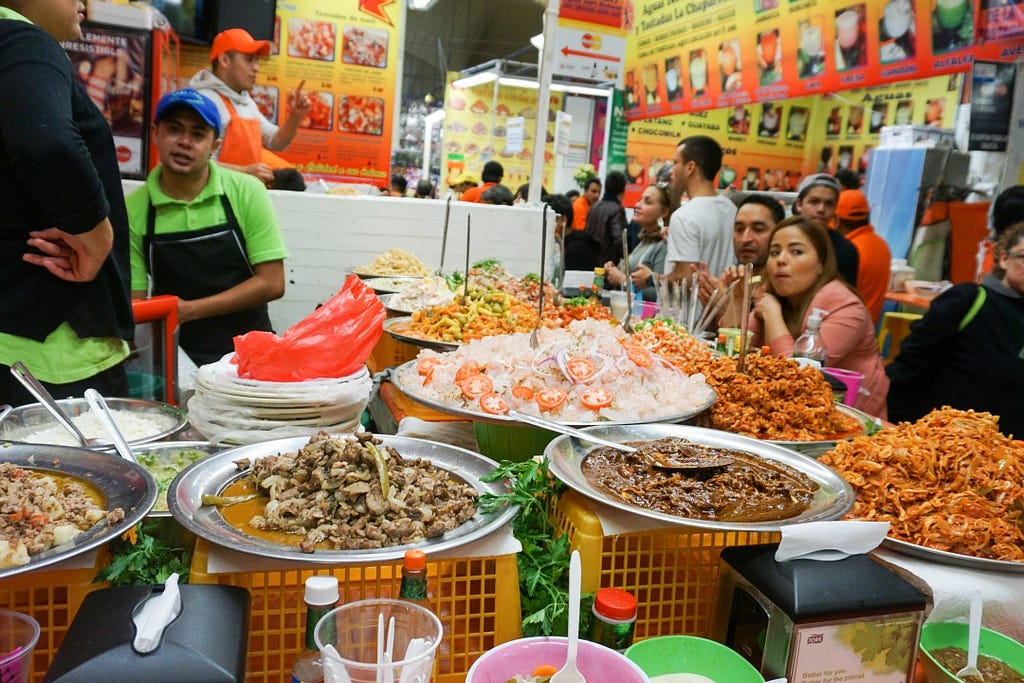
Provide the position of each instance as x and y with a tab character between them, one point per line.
802	275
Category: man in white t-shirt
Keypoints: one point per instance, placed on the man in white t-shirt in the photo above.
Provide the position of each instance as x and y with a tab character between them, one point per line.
700	230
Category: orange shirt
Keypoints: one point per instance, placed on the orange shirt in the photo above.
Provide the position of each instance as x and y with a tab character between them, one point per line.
873	269
580	207
473	193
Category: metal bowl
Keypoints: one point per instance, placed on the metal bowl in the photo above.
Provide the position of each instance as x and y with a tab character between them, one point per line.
24	420
159	459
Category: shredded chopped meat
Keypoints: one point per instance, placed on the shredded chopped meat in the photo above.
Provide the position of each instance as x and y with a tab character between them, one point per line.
356	493
38	512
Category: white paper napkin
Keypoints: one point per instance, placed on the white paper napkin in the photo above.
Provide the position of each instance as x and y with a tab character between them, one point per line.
829	541
156	613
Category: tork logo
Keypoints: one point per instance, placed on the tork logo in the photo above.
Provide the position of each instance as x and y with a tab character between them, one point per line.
815	638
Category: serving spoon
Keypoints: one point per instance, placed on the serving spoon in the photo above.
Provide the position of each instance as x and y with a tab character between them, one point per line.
973	636
99	406
663	463
36	388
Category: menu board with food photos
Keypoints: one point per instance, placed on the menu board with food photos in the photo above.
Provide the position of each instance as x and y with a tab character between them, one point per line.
346	56
476	131
772	145
684	56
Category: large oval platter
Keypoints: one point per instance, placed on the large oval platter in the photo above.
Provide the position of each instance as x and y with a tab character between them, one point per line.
389	284
386	300
868	425
478	416
955	559
832	500
389	326
124	484
210	476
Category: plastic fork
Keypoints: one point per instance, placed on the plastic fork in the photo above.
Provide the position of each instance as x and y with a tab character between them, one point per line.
973	636
569	673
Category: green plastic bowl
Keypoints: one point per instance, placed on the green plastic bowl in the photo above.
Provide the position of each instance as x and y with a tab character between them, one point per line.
692	655
948	634
515	443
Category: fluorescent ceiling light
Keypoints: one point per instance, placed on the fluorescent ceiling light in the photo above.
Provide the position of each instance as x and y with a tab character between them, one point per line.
434	116
476	79
421	4
580	90
518	82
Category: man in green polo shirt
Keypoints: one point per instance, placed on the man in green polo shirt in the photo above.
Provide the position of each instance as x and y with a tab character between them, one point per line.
203	233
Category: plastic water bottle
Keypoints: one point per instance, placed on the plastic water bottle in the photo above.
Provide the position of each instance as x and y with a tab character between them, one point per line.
810	345
638	305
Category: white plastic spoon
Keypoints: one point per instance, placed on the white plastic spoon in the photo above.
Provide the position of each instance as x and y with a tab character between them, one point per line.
973	636
569	673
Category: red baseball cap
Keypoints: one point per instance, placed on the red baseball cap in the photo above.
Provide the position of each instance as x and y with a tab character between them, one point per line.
852	206
238	40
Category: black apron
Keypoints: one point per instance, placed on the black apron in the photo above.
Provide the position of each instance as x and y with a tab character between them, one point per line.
198	263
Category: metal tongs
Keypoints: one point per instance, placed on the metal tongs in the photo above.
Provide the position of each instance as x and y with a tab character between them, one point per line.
465	280
534	343
36	388
444	235
748	272
626	324
99	406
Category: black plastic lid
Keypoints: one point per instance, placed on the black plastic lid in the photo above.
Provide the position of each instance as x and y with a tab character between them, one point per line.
810	589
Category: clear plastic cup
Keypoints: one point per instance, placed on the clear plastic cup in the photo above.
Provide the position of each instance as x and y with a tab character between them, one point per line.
349	638
619	301
18	635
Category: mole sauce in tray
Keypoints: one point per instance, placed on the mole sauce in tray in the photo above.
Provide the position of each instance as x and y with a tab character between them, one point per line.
748	489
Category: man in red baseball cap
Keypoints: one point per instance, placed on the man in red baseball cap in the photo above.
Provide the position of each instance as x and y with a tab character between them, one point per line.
853	221
246	134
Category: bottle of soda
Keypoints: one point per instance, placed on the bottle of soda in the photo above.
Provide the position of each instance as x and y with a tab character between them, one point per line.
321	595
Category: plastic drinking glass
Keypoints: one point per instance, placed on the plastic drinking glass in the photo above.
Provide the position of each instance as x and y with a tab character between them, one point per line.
847	29
18	635
619	303
851	379
348	638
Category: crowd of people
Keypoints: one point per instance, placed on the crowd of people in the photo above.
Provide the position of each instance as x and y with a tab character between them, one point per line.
203	229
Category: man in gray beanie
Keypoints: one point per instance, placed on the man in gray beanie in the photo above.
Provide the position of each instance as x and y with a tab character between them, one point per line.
817	197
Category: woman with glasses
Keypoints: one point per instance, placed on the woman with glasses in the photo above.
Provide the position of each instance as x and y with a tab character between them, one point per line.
968	350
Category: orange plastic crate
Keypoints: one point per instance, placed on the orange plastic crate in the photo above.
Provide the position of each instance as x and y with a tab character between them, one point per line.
477	600
52	598
672	572
390	352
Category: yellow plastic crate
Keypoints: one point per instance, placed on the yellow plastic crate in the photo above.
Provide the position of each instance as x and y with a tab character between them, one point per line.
52	598
390	352
477	600
672	572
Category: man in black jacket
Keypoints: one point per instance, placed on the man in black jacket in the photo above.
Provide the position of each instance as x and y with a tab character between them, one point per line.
606	220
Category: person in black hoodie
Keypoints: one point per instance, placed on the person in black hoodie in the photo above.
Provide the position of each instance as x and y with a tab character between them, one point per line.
606	220
64	233
968	350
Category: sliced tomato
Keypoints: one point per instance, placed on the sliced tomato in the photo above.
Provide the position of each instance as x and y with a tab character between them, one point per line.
426	365
522	391
493	403
596	398
550	398
476	385
580	369
467	369
638	355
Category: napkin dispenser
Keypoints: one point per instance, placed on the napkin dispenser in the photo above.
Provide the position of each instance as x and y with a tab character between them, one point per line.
206	643
847	620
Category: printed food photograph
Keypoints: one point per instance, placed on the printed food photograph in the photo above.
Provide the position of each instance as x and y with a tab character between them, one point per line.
365	46
321	107
311	39
265	97
362	115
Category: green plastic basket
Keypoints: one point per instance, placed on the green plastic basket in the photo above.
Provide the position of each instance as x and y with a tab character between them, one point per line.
515	443
949	634
691	654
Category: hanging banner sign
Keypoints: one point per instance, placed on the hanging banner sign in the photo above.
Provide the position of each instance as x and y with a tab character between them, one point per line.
611	13
689	55
347	52
480	123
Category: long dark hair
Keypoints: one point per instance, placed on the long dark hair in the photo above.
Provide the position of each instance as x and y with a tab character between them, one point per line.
666	203
817	235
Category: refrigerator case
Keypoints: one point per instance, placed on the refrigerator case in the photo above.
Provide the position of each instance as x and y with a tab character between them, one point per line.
113	63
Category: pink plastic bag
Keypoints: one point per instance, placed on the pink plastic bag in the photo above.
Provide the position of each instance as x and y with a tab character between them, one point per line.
333	341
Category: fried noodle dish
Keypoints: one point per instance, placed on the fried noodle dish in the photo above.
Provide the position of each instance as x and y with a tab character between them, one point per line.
356	493
39	512
950	481
775	399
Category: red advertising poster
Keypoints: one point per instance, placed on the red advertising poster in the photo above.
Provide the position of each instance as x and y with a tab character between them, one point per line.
346	53
613	13
113	64
684	57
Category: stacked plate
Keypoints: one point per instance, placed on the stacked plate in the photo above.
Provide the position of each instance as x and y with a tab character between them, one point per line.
233	409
